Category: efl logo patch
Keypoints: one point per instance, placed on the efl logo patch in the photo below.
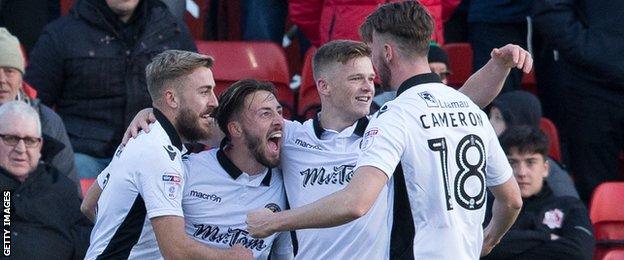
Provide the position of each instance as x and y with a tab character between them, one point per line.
429	99
369	137
273	207
553	219
172	185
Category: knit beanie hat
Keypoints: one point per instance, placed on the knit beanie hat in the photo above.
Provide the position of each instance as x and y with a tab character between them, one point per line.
10	51
437	54
519	108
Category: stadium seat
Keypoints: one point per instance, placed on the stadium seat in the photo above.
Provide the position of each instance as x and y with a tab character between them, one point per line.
607	216
256	60
549	128
528	82
309	100
617	254
65	6
460	63
85	184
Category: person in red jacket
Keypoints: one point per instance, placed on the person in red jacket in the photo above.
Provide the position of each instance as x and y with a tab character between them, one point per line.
322	21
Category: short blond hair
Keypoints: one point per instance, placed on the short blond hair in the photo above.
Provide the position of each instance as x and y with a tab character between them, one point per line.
337	51
168	68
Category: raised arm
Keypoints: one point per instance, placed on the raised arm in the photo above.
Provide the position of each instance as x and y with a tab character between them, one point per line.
485	84
339	208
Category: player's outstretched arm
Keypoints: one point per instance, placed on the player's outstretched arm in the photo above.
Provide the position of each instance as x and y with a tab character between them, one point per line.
90	201
485	84
505	210
339	208
175	244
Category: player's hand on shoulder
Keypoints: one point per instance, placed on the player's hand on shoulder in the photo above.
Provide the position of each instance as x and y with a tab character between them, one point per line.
513	56
239	252
259	223
140	122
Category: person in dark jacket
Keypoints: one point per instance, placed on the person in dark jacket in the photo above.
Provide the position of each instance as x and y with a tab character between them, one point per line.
12	88
91	66
494	23
517	108
587	35
44	207
549	226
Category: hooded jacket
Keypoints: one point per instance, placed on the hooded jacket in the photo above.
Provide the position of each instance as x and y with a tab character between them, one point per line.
91	67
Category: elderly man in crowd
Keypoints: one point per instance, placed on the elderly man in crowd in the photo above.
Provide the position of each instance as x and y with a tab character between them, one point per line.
45	217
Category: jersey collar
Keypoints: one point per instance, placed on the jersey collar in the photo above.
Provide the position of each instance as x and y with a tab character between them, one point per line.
359	128
169	129
234	171
417	80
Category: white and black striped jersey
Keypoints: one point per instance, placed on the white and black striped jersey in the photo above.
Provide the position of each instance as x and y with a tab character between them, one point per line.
143	181
218	196
317	162
448	153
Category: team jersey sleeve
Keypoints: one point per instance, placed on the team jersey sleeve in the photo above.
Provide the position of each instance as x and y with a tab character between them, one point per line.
282	246
160	186
385	140
498	169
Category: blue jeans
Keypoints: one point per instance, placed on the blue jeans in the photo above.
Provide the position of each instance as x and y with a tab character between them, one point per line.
88	166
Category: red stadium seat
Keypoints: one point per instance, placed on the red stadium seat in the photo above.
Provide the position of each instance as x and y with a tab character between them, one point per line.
607	216
309	100
528	82
549	128
85	184
460	63
65	6
256	60
617	254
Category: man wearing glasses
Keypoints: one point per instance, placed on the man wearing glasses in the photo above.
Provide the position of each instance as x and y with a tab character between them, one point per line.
40	204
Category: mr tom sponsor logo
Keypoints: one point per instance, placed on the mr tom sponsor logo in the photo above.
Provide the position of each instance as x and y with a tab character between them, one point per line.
319	176
230	237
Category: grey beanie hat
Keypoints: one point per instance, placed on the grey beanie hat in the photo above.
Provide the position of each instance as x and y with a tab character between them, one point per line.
10	51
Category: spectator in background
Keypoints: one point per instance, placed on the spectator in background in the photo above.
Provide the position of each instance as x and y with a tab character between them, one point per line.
549	226
177	8
91	66
494	23
46	222
324	20
12	88
517	108
27	18
263	20
588	36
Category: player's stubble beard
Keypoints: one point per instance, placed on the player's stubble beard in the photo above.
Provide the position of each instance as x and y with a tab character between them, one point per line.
188	124
253	144
385	75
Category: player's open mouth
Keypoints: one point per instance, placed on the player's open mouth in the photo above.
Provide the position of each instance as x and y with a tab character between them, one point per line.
363	98
208	118
273	142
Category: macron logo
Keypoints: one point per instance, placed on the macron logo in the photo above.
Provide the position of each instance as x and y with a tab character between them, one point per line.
305	144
